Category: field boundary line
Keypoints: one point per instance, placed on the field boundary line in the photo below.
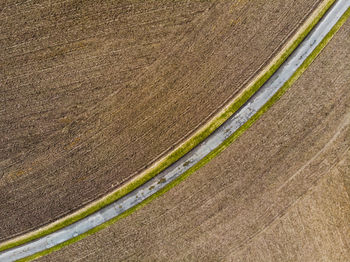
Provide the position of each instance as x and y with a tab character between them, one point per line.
199	137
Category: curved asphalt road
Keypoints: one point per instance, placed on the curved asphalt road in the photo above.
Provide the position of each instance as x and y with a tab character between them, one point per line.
253	105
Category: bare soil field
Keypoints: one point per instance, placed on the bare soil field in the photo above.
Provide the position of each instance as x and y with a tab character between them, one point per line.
281	192
93	92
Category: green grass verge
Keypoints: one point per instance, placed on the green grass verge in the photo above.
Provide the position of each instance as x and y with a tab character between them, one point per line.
218	150
195	140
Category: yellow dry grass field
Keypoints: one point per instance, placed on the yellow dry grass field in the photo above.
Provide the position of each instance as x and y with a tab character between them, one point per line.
93	92
281	192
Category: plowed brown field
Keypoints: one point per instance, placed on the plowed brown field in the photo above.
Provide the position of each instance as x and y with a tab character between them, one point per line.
92	92
281	192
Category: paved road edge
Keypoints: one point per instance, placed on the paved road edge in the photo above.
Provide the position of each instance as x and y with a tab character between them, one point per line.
185	147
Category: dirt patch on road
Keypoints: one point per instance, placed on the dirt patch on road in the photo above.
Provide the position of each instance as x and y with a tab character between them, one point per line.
94	92
279	192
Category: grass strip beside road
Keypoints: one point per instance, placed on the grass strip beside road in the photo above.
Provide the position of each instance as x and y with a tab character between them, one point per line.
186	147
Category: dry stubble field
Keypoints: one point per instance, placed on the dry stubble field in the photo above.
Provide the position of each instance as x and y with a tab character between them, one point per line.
281	192
92	92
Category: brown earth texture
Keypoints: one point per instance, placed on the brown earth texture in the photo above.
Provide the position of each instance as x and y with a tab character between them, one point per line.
280	192
93	92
